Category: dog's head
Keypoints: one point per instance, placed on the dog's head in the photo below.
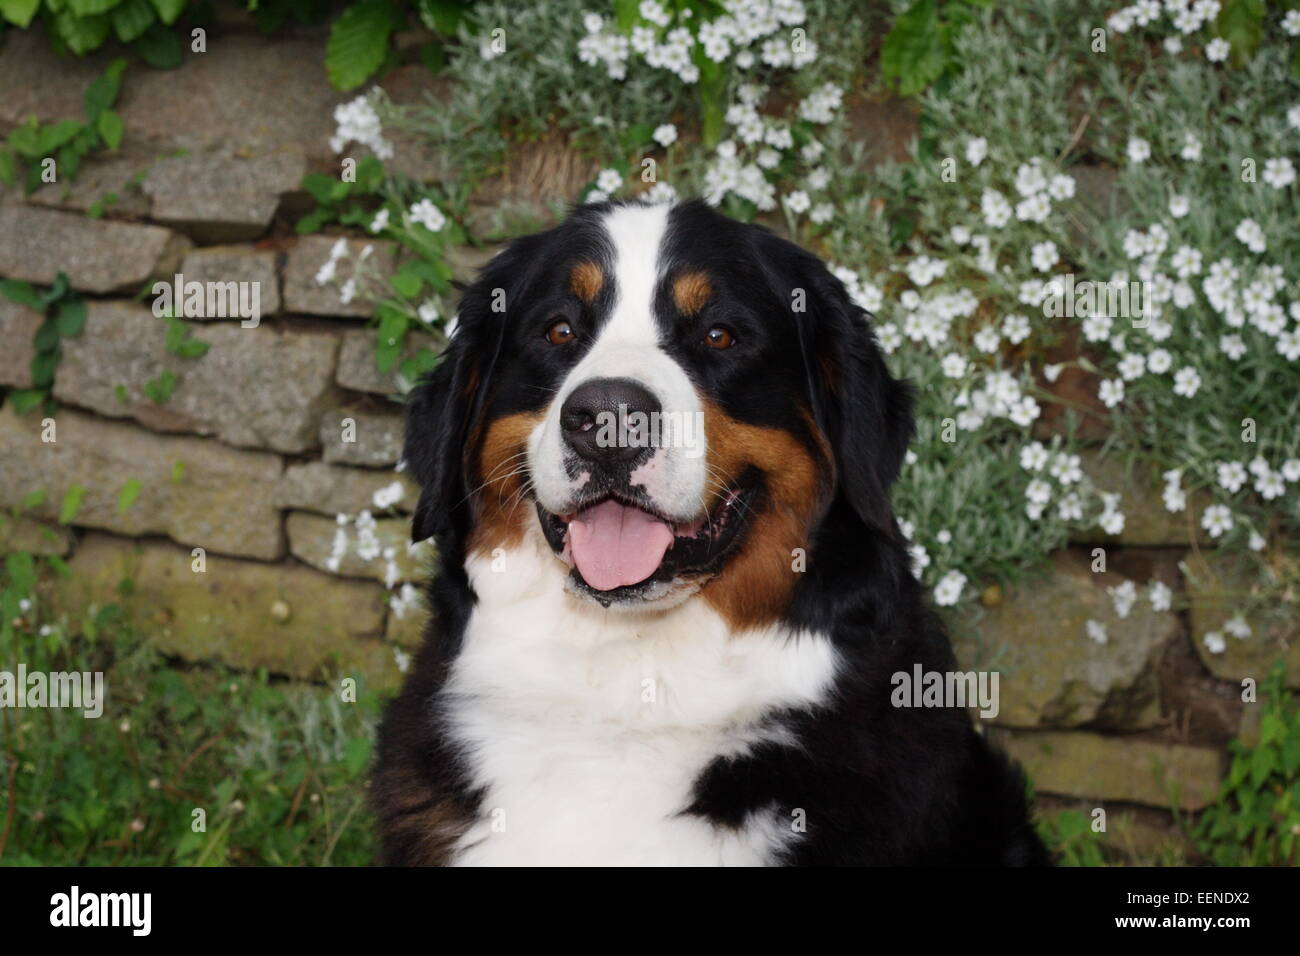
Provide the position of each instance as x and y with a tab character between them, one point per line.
672	399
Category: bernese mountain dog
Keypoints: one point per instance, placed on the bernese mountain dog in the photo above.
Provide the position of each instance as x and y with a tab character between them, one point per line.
656	459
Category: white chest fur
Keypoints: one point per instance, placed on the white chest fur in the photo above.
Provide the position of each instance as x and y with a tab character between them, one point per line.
588	727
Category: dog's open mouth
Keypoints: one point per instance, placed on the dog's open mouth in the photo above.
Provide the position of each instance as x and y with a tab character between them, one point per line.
619	549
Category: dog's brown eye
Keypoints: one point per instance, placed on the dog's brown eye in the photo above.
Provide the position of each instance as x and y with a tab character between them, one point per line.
719	337
560	332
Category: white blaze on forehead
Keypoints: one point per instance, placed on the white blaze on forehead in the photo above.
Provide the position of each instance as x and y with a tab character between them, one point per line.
628	346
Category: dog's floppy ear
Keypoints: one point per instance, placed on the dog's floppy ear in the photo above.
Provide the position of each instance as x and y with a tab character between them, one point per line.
865	413
441	412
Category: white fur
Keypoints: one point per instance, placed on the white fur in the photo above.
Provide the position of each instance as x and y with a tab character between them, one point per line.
587	727
628	347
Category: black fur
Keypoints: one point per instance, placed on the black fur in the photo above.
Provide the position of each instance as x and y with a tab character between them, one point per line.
877	785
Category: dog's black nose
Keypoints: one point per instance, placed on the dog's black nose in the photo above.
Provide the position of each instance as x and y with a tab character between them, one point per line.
609	419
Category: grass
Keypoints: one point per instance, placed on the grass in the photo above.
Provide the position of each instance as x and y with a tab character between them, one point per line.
187	766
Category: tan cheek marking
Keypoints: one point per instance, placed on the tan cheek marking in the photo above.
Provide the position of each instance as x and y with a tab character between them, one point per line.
756	584
691	291
586	281
501	513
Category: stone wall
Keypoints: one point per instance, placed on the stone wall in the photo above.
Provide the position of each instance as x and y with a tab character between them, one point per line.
247	460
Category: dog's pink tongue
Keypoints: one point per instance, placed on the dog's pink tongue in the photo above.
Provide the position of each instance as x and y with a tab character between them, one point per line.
614	545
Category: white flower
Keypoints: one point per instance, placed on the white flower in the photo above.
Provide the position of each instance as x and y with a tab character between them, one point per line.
976	149
1279	173
948	591
661	191
944	536
1038	491
1044	256
954	365
797	201
1237	627
1232	346
1270	485
1034	209
1257	542
428	215
987	339
1033	456
1214	642
888	337
1111	392
1217	519
821	213
1293	117
1132	366
1291	469
653	11
1173	46
1250	233
1288	344
1291	23
1030	178
609	181
1191	150
596	195
1217	50
995	209
389	495
1123	596
1161	595
1231	476
1159	361
1187	382
960	235
1071	507
1139	150
380	222
1067	469
665	135
1016	328
1061	187
1052	371
358	122
1179	206
1096	631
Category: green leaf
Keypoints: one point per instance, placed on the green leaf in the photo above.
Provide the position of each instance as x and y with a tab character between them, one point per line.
8	166
110	128
358	43
159	47
21	568
19	12
33	499
126	497
406	285
25	399
320	187
131	18
71	317
913	53
178	472
46	338
21	292
56	134
86	8
443	16
81	34
168	10
159	390
314	220
43	366
1241	23
71	504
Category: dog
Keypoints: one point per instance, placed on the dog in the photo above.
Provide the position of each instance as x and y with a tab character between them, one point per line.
656	459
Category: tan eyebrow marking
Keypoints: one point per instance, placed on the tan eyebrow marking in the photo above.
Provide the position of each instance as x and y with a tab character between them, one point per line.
690	291
586	280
